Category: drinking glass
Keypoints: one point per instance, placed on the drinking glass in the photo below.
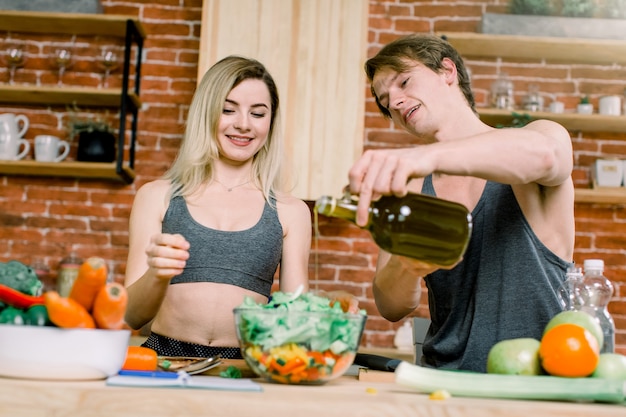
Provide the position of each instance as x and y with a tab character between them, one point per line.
62	59
109	61
15	59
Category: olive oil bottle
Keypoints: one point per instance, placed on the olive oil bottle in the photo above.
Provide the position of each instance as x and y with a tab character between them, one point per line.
419	226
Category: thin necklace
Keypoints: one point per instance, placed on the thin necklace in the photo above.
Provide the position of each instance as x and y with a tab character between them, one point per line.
229	189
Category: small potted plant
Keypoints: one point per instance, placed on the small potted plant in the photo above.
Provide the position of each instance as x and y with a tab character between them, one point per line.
96	141
584	107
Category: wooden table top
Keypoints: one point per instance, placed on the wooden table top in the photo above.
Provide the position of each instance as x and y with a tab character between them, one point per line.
348	396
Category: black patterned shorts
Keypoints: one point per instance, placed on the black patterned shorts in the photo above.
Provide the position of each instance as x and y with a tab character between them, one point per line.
166	346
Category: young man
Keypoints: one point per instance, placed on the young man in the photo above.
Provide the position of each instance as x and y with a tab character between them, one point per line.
517	183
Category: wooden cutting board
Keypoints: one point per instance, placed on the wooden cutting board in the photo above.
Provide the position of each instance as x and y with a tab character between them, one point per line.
370	375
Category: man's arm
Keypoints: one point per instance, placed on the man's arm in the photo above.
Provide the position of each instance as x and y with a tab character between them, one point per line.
397	284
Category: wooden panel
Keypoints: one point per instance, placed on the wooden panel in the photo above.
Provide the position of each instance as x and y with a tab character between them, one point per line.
315	49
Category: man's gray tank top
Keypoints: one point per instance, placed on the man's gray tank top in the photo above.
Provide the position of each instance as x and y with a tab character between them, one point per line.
247	258
505	287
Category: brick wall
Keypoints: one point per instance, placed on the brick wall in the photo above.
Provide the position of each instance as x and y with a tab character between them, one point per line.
49	217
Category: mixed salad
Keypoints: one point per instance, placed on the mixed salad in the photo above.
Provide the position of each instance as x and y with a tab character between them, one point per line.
312	341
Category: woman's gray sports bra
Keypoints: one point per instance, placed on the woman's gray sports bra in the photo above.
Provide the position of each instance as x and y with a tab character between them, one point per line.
247	258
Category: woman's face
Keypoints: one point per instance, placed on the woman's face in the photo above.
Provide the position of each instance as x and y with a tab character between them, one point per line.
245	121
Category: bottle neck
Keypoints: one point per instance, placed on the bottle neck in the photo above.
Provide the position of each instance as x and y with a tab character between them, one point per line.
344	208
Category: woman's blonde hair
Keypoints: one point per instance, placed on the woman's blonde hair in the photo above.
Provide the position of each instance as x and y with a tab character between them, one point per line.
199	149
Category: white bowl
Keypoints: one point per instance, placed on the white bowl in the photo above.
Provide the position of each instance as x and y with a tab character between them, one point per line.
35	352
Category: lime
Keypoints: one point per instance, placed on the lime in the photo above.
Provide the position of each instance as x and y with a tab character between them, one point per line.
611	366
514	357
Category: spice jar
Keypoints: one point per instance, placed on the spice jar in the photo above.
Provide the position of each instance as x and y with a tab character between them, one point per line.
68	271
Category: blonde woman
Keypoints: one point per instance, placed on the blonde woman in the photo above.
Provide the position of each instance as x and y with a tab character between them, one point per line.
218	225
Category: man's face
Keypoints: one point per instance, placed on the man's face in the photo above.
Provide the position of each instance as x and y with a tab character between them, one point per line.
415	98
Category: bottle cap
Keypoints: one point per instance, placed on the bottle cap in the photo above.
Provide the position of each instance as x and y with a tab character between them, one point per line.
593	264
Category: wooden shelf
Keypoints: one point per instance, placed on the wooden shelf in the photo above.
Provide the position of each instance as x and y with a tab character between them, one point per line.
85	96
98	170
571	121
74	23
571	50
125	98
603	195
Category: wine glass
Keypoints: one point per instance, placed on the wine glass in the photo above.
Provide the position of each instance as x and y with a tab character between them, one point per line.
15	59
62	59
109	60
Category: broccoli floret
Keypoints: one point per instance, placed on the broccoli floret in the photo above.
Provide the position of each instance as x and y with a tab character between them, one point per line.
20	277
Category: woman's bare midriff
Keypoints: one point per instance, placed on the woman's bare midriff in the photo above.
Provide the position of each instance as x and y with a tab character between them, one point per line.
201	312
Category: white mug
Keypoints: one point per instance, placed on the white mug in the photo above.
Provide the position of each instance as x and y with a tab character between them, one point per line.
49	148
11	136
609	172
557	107
610	105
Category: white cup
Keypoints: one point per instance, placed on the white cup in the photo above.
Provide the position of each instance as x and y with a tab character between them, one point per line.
557	107
610	105
49	148
11	136
609	172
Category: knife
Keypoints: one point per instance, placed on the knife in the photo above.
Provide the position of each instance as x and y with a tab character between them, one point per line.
376	362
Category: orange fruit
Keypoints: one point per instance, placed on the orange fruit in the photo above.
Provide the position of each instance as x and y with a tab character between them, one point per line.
569	350
580	318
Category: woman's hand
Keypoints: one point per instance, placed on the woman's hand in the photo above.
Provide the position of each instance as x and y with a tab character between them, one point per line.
348	302
167	255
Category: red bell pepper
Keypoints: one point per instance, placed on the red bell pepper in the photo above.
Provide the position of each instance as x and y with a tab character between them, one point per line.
17	298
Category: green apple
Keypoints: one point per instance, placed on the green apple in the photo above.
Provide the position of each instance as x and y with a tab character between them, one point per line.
515	357
611	366
580	318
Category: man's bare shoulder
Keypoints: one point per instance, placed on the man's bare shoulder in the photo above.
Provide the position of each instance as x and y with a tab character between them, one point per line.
548	127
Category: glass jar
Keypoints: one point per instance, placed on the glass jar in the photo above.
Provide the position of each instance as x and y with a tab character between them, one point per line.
68	271
502	93
533	100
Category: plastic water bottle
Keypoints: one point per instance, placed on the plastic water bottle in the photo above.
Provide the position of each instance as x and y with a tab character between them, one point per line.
569	292
596	296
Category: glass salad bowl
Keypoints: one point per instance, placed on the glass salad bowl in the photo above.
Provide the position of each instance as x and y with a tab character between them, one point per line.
302	341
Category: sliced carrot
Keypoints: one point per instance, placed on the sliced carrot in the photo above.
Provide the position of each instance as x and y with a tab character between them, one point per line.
313	374
140	358
295	364
343	363
110	306
67	313
92	276
318	357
